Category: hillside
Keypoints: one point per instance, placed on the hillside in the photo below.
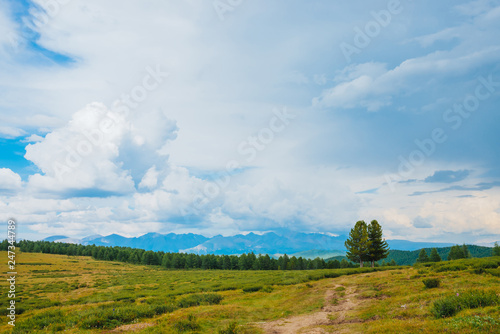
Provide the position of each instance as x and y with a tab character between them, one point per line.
410	257
78	294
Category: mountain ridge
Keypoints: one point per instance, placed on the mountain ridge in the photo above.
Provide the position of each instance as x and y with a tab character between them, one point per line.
267	243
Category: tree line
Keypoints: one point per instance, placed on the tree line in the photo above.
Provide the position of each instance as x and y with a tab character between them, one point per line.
456	252
248	261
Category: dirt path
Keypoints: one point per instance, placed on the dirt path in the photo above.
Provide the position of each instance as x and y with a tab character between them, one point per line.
310	323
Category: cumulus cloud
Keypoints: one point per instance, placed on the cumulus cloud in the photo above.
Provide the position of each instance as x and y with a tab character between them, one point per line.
420	222
9	180
97	150
226	77
372	86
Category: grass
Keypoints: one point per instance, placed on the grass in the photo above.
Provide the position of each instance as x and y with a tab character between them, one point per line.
78	295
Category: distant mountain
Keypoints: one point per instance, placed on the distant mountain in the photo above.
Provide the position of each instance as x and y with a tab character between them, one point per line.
152	241
268	243
321	253
62	238
309	245
55	238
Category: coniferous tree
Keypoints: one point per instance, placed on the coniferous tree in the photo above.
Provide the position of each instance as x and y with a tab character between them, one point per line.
465	251
377	248
422	256
357	244
496	250
456	252
434	256
344	264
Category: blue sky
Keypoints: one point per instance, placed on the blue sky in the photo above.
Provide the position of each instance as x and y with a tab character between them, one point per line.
206	117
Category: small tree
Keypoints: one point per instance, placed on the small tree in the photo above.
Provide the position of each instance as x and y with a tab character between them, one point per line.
377	247
465	251
456	252
422	256
344	263
357	244
434	256
496	250
393	263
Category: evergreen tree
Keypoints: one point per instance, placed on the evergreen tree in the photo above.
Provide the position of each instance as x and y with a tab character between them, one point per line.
377	248
456	252
357	244
422	256
465	251
496	250
434	256
393	263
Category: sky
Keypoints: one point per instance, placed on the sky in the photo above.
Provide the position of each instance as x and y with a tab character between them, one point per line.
231	116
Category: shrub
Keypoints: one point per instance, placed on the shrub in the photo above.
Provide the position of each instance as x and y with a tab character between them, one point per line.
252	288
486	265
267	289
450	267
188	324
494	272
232	328
431	282
200	299
451	305
39	321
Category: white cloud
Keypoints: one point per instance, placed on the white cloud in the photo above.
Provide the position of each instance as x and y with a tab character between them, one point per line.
150	179
226	78
10	132
9	180
97	151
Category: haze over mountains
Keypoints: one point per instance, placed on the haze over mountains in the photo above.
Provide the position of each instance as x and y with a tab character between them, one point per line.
294	243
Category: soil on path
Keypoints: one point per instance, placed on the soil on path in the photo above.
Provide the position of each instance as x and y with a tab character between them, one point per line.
330	314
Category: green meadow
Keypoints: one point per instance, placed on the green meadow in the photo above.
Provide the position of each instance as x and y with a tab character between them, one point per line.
74	294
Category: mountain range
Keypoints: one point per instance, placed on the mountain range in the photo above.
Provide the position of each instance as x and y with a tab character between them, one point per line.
308	245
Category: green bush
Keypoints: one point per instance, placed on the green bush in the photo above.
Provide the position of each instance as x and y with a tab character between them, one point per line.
40	321
252	288
232	328
188	324
486	265
494	272
450	267
200	299
431	282
451	305
267	289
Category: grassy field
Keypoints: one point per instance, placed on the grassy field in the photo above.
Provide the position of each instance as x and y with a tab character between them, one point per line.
80	295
